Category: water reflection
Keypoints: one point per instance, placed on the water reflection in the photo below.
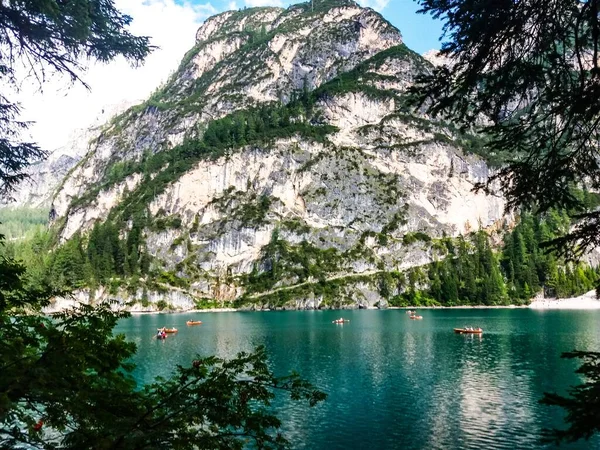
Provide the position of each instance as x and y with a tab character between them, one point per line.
393	382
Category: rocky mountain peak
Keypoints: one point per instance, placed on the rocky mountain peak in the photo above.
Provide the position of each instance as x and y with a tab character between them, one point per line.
241	59
436	58
236	22
282	149
264	54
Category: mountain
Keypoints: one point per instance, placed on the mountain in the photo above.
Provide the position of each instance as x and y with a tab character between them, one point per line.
279	166
46	176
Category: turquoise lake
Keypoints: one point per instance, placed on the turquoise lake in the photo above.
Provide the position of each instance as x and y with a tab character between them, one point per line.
394	382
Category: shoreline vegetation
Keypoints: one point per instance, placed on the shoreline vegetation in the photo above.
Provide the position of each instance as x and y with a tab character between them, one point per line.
587	301
475	269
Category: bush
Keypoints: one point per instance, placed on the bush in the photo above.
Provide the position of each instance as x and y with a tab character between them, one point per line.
410	238
161	304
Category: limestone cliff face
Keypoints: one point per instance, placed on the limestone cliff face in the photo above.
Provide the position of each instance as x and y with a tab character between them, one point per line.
241	59
301	220
43	178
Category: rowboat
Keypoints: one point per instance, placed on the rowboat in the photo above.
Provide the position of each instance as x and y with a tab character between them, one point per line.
340	321
168	330
467	331
194	322
413	317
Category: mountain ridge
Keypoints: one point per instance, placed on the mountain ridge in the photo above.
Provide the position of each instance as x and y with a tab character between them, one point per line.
276	156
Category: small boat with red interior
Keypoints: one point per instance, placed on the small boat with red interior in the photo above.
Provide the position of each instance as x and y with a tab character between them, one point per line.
468	330
340	320
168	330
194	322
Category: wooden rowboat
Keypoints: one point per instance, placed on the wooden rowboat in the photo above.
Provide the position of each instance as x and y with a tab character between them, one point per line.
168	330
465	331
340	321
194	322
416	317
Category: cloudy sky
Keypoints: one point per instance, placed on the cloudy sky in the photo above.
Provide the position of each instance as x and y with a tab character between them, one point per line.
61	108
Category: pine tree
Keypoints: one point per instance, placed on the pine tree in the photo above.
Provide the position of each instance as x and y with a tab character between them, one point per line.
449	289
435	285
133	247
93	250
496	286
553	278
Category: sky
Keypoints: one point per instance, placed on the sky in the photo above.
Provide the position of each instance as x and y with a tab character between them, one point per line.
59	108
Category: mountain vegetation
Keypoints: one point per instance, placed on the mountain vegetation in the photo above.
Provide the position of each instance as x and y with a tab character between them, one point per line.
283	164
533	95
21	221
469	269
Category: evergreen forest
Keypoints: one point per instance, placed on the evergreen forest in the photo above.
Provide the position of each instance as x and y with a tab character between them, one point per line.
506	267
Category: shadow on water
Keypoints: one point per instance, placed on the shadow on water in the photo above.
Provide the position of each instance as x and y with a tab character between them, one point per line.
394	382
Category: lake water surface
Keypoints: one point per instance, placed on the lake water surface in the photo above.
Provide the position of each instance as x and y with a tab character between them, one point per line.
394	382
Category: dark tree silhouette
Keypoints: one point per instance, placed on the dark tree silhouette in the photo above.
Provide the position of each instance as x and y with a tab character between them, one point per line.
527	74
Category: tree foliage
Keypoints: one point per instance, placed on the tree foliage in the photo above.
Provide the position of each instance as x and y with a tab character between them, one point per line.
470	274
39	38
473	273
527	75
529	267
19	222
65	383
583	403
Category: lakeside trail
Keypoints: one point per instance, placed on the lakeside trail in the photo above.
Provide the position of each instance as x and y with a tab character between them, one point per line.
586	301
304	283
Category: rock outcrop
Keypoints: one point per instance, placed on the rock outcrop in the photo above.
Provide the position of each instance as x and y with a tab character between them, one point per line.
309	211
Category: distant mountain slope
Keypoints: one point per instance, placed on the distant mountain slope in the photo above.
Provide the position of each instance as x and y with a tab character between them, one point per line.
46	176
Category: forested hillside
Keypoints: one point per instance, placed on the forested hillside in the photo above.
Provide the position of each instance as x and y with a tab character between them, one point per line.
18	222
282	166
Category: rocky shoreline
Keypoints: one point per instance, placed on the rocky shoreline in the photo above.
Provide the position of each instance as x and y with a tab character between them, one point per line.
586	301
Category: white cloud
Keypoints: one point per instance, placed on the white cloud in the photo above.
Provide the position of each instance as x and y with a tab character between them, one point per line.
377	5
172	24
253	3
61	108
